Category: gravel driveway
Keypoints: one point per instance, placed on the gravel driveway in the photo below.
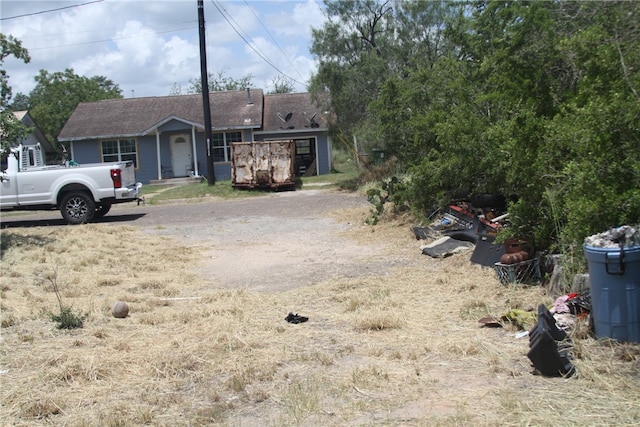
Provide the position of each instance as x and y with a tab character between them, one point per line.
273	242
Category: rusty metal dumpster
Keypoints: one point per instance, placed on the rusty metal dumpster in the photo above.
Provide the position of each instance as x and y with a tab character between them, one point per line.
263	164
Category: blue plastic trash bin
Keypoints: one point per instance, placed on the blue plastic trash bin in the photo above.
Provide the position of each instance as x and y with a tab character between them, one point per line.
614	274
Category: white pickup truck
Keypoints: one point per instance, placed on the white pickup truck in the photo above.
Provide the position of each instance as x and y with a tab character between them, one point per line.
81	192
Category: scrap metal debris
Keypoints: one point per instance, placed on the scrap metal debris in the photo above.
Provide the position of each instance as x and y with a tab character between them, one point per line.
446	246
618	237
467	224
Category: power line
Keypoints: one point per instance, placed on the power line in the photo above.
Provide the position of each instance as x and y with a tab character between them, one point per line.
32	36
114	38
50	10
274	40
256	50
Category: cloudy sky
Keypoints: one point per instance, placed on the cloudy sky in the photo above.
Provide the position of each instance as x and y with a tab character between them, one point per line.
148	46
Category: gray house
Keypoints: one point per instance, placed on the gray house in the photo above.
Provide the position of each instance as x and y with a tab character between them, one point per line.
164	136
36	136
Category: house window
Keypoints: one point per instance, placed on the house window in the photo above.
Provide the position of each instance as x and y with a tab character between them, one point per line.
303	146
118	150
222	145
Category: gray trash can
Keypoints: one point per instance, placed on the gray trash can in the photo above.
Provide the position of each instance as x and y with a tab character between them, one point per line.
614	274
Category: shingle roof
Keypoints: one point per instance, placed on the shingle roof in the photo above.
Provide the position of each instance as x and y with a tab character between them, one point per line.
138	116
304	115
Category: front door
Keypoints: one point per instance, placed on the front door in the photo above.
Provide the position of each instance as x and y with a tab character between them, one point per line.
181	155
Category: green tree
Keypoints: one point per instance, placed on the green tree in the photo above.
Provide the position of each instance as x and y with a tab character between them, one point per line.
220	83
11	129
593	144
56	96
20	102
519	69
536	99
9	46
421	39
367	44
281	84
542	103
571	139
352	58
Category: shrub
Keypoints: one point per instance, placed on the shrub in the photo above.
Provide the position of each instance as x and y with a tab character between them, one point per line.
67	319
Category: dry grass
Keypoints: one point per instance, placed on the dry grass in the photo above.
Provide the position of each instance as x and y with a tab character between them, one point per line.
400	349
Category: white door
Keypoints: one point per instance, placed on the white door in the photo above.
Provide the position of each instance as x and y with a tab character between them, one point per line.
181	155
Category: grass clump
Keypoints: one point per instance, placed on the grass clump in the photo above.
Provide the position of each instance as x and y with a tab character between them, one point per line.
67	319
222	189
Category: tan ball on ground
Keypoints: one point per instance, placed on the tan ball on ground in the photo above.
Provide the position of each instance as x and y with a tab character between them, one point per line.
120	309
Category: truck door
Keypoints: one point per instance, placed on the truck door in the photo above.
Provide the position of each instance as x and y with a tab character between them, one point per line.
8	186
30	187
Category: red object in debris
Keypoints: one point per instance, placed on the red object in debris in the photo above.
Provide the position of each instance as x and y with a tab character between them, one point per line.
514	258
461	211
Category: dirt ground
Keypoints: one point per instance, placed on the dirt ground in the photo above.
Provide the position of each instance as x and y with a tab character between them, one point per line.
274	242
286	240
392	339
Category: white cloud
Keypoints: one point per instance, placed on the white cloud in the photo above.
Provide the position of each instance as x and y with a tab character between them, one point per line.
180	53
299	22
140	49
148	46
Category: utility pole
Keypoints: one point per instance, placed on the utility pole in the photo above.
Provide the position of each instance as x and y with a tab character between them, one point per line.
204	82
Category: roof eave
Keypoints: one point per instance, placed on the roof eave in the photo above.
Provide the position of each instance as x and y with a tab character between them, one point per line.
147	132
301	130
166	120
84	138
235	127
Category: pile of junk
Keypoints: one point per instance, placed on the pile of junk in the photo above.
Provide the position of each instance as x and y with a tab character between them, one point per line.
473	224
606	299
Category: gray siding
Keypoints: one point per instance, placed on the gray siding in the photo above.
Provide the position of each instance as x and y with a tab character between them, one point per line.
147	158
86	151
324	153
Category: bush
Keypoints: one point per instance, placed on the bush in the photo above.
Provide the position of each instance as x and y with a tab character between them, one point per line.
69	320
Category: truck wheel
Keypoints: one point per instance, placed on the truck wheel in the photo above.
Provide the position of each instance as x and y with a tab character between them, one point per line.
102	210
77	207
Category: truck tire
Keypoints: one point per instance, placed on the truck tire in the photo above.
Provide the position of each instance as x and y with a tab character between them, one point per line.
102	210
77	207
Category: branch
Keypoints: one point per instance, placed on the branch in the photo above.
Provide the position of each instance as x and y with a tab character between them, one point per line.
625	70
